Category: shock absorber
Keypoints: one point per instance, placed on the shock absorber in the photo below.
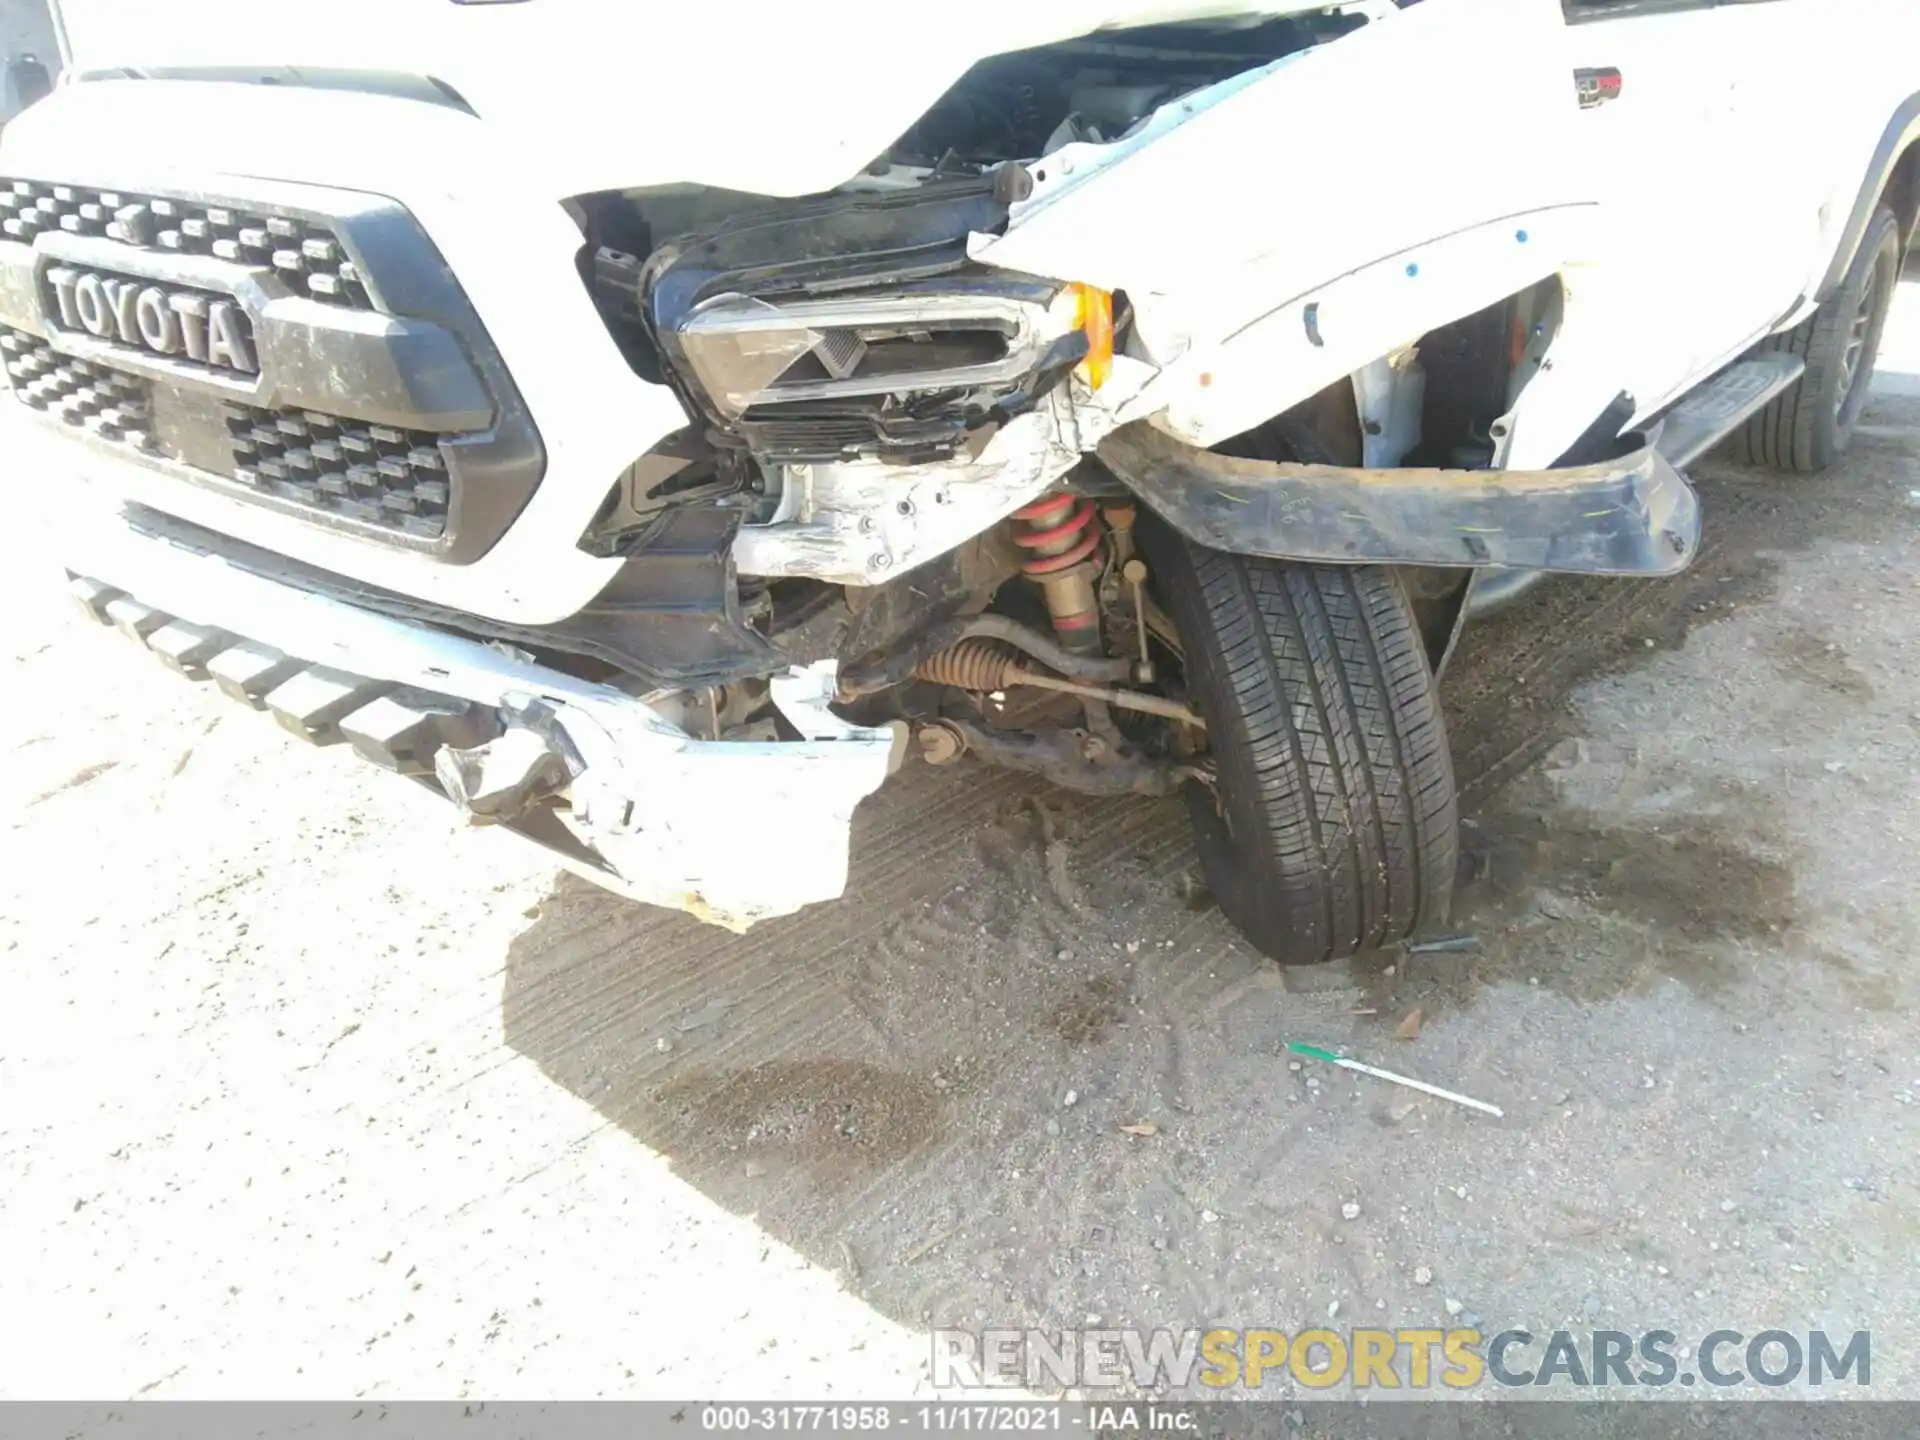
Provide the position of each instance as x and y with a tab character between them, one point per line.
1060	535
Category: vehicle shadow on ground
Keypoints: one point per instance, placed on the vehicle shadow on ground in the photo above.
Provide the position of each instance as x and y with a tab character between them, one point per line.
924	1087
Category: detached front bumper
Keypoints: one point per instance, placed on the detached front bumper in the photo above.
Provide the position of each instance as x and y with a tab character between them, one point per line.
732	832
1633	515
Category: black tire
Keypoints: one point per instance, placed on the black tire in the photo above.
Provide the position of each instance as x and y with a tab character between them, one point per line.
1333	830
1808	427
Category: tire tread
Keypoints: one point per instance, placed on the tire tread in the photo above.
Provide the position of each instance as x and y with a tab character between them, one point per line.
1331	751
1798	431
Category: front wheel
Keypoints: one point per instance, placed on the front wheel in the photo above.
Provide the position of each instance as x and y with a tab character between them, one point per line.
1330	828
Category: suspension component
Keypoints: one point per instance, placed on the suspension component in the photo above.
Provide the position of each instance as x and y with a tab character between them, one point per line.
941	743
1071	758
1135	574
1119	516
895	667
974	664
1060	536
979	664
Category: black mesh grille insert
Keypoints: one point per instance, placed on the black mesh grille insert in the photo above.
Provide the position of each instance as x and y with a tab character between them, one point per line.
372	473
109	403
306	254
391	479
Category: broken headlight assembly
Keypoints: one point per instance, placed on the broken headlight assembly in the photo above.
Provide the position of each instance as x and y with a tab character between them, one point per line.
747	352
907	375
855	326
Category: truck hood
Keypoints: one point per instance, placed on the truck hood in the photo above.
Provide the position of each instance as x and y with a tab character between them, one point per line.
734	94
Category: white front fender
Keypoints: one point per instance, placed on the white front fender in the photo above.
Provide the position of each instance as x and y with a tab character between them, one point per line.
1281	229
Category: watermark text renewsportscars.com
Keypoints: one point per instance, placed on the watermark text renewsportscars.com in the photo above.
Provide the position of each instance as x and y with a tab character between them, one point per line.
1394	1359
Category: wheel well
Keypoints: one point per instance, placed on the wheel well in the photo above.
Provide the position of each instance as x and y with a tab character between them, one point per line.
1470	373
1903	191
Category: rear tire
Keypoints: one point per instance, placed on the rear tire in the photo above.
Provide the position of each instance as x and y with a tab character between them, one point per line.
1333	830
1808	427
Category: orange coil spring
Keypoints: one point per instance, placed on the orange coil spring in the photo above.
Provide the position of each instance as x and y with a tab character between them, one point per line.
1060	532
973	664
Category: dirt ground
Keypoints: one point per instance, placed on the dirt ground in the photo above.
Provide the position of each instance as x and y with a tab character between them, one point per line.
307	1090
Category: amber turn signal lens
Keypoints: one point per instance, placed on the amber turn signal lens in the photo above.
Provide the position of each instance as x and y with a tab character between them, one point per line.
1094	317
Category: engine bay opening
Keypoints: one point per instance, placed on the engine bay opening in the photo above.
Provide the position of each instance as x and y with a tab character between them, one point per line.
1028	103
852	325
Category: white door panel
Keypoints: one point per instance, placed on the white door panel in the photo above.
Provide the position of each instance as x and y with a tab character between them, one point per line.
1691	270
1791	78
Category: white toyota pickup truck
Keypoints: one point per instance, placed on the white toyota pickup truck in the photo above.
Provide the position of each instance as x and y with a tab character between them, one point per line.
652	426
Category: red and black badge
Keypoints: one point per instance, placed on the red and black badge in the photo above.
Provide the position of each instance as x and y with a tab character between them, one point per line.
1596	87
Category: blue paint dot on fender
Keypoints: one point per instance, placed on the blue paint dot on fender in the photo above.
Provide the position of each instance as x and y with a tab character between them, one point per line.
1412	271
1521	236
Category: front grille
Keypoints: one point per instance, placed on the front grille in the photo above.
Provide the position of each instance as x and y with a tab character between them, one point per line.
392	479
307	255
107	403
164	325
372	473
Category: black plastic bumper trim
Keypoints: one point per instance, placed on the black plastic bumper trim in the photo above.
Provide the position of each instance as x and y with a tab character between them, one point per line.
1634	515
